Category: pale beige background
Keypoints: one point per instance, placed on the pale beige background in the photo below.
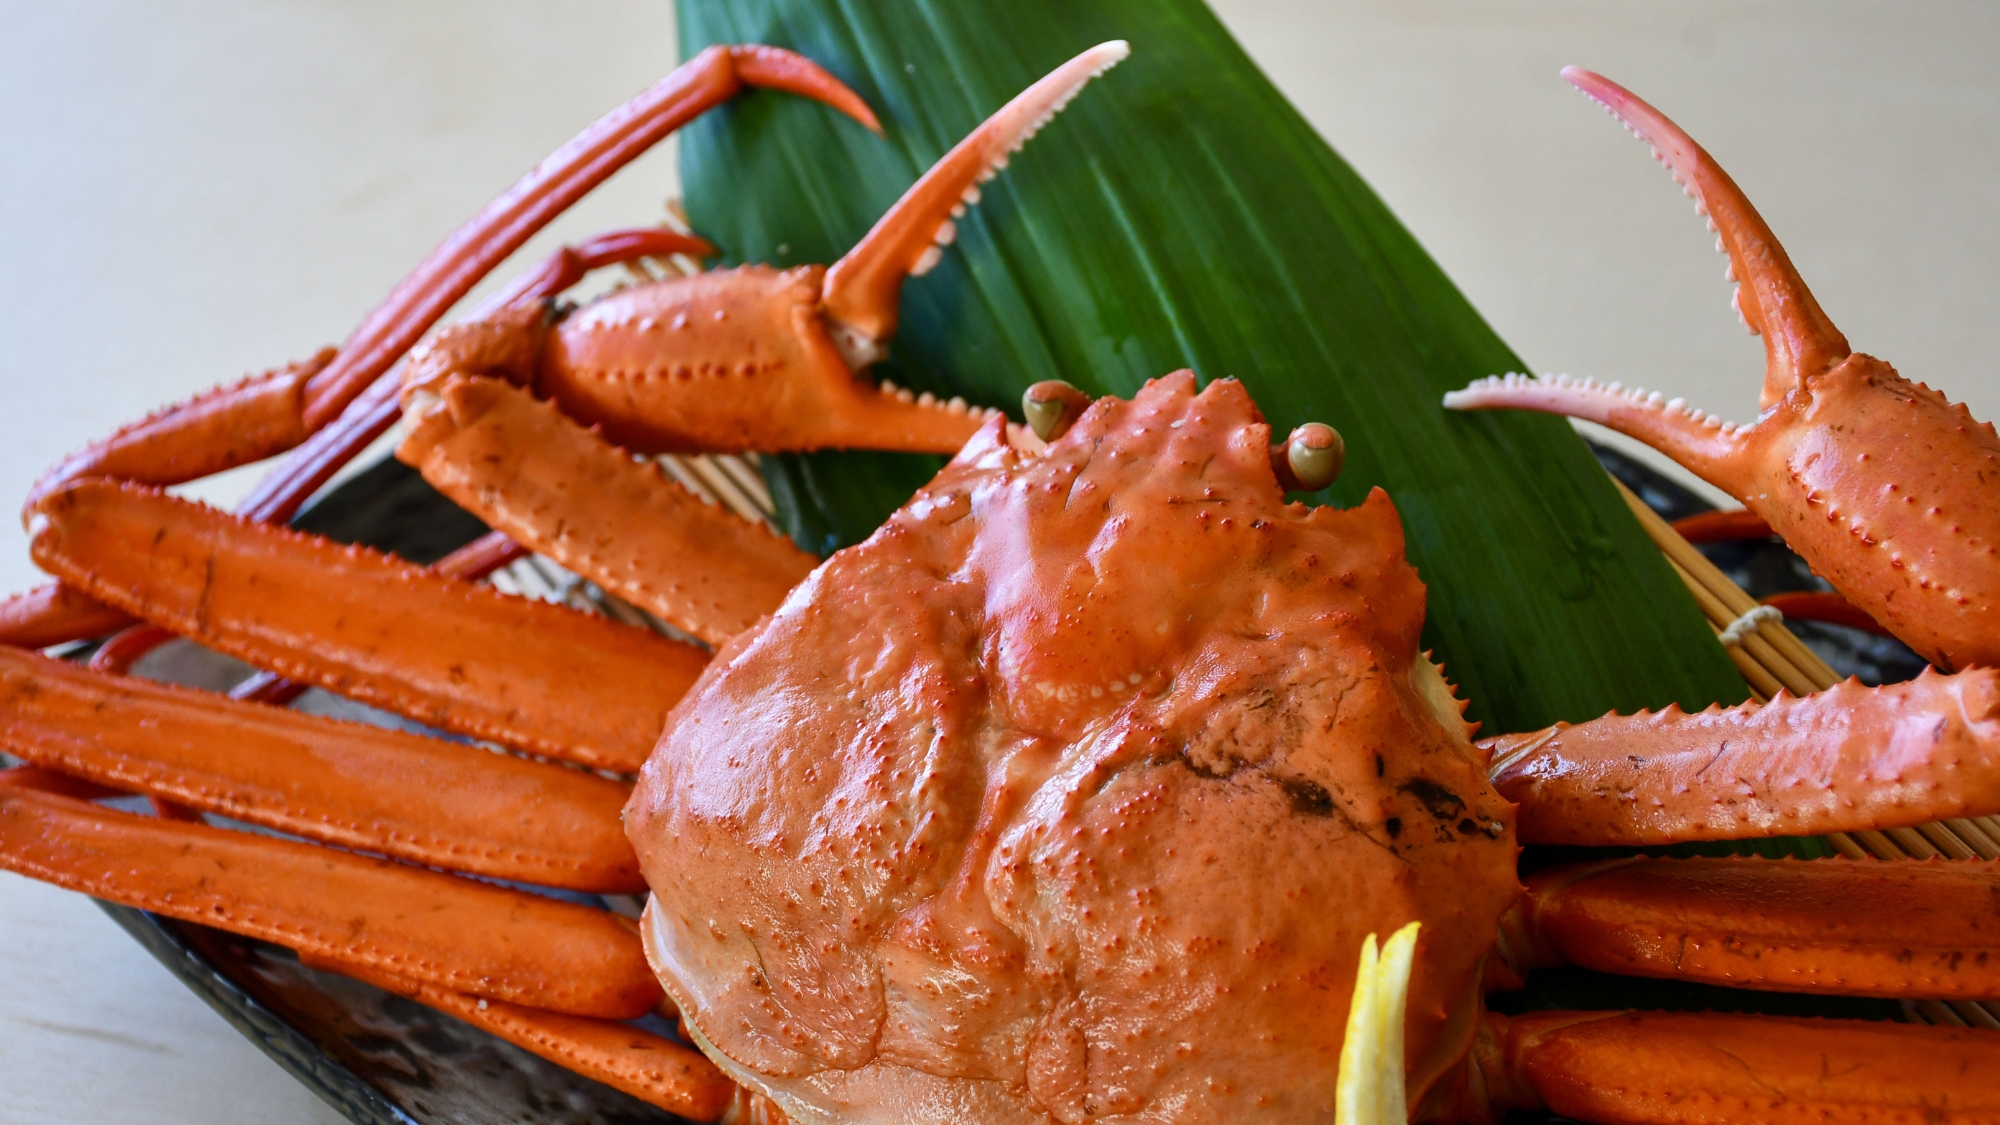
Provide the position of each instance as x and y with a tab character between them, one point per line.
194	192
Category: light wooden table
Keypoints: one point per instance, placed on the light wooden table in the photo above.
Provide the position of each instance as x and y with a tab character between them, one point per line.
196	192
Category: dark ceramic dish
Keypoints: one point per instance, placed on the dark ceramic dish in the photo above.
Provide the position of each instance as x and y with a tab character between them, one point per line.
383	1060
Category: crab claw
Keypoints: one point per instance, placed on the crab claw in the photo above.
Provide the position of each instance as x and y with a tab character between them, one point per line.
473	250
1881	484
862	288
1771	299
1799	341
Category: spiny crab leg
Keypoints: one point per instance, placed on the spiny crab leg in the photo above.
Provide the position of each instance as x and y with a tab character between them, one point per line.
471	562
55	614
1847	759
1896	929
270	414
1671	1068
1883	485
429	927
360	623
653	1069
418	799
523	466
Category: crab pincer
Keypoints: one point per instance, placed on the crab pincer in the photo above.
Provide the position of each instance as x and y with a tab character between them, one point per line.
1885	486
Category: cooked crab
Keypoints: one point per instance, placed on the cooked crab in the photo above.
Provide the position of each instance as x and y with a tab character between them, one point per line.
1251	770
1070	794
732	359
1885	486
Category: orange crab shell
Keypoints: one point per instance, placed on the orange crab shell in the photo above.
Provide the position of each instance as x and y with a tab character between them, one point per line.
1074	790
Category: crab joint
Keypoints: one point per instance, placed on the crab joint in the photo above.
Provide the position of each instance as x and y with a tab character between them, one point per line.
1310	459
1052	407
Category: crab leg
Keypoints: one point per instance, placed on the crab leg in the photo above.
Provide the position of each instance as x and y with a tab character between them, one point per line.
471	562
466	658
1847	759
1927	929
1663	1068
267	415
222	429
53	614
1880	483
419	799
435	928
653	1069
1827	606
260	417
567	493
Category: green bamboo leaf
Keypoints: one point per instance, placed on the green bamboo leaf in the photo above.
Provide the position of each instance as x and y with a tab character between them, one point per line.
1181	214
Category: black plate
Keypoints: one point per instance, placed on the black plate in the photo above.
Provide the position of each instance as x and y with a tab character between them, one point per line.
383	1060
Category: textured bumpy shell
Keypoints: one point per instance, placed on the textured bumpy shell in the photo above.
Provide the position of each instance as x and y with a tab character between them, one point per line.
727	361
1073	791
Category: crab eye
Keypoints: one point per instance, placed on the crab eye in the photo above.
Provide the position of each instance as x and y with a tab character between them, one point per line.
1052	407
1310	459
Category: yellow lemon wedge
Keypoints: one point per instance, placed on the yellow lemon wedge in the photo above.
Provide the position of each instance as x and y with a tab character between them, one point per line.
1370	1088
